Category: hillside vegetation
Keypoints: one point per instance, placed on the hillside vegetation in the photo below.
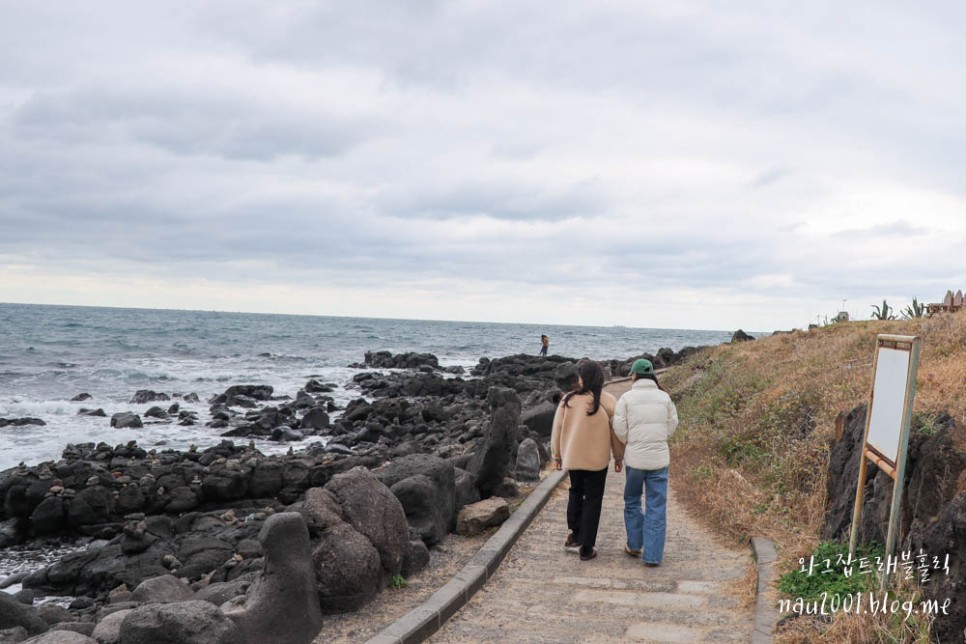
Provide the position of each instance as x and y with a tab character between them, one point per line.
758	419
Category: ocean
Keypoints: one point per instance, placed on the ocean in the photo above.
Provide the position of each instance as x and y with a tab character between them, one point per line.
50	354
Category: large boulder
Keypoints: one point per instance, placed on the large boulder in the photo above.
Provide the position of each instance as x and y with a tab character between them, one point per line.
52	613
84	628
315	419
426	487
417	558
166	588
946	536
93	504
375	512
474	519
15	634
466	492
61	637
190	622
267	478
200	555
108	630
143	396
528	460
49	516
362	538
126	419
539	418
741	336
220	592
348	571
256	392
419	495
14	614
89	572
411	360
282	605
492	458
565	376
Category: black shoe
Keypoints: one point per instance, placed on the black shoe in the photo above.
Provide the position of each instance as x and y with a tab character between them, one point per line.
651	564
571	544
588	556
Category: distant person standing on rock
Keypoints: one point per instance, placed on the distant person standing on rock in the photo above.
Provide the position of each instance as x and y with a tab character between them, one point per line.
544	345
644	419
582	442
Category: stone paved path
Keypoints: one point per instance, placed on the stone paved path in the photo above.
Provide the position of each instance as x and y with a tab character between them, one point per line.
541	593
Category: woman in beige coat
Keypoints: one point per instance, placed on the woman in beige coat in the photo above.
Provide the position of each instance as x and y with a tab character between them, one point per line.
582	442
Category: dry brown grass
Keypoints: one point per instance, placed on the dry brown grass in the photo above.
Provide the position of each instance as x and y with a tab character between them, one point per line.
745	588
758	419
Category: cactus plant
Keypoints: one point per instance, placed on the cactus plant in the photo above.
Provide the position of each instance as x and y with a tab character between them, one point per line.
914	310
884	312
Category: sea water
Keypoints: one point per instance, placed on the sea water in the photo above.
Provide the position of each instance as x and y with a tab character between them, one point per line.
50	354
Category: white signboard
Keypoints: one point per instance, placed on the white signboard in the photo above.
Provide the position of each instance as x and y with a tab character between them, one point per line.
888	401
887	427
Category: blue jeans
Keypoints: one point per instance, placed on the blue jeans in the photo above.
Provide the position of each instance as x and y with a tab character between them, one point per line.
646	529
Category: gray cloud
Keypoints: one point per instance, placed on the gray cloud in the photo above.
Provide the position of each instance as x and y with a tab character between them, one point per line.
765	151
500	199
187	125
900	229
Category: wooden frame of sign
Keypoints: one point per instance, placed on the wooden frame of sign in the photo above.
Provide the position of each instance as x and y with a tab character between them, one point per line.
887	423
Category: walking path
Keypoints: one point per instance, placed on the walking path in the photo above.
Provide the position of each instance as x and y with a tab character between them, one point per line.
543	594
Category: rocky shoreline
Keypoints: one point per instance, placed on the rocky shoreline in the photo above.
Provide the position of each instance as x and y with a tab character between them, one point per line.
398	465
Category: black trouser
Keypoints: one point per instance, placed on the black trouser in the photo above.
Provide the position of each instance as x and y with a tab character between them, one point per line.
583	508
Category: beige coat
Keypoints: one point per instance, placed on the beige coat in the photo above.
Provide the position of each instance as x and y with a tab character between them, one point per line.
585	442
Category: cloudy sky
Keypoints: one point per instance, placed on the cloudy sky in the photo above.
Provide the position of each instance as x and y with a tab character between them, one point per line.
679	164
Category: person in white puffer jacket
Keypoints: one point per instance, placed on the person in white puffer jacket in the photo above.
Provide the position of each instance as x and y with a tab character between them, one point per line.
644	419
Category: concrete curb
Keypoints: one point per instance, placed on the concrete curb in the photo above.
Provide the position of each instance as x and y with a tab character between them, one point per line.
427	618
766	613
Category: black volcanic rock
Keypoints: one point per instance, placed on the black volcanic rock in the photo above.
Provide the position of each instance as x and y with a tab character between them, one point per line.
426	487
386	360
126	419
933	516
492	458
20	422
143	396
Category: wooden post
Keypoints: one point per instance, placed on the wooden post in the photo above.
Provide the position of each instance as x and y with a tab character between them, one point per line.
900	472
896	470
863	465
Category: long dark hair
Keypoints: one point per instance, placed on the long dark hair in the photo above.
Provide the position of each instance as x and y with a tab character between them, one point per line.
592	377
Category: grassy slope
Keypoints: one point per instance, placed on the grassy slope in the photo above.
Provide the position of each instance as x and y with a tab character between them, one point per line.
758	418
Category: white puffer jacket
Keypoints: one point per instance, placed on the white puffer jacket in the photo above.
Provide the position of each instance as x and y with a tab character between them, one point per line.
644	419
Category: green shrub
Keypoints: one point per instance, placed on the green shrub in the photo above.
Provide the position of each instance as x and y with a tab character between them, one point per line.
398	582
810	587
884	312
915	310
925	424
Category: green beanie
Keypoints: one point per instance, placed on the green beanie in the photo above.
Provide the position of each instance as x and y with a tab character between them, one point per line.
642	367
